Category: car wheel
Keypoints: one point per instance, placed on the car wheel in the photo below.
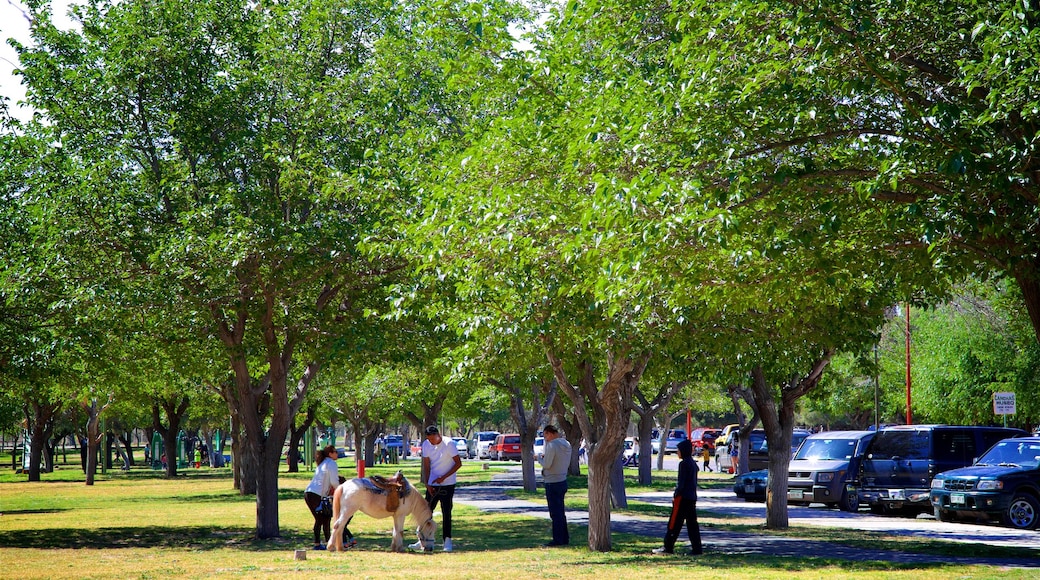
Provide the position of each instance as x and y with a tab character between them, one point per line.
849	502
1023	513
944	515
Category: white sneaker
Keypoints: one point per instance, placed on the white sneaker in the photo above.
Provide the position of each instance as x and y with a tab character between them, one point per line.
447	544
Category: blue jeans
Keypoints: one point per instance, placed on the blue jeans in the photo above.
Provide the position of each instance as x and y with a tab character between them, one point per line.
554	493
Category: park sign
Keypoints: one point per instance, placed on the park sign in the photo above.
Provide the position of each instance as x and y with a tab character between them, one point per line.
1004	403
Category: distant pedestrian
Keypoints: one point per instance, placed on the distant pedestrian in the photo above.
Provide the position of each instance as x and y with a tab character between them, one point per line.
198	457
380	449
706	458
555	462
684	503
734	453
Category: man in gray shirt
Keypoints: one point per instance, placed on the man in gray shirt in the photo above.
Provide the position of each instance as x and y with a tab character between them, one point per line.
555	461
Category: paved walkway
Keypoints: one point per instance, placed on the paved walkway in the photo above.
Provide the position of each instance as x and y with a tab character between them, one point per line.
492	497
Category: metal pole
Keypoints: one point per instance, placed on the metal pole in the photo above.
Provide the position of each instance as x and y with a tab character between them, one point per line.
909	413
877	389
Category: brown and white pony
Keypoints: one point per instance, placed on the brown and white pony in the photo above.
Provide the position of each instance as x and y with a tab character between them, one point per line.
362	495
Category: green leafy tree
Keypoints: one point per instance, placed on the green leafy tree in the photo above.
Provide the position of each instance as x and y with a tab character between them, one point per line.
226	160
928	111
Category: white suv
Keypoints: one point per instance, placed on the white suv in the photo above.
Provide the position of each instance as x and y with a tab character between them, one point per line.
483	440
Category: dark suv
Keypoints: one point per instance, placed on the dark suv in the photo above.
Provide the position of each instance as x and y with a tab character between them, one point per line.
896	474
1004	485
758	449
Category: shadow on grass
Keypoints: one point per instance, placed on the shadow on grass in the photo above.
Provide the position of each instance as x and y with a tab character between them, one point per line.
196	538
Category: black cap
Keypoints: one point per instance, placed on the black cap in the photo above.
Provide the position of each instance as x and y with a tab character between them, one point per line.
432	430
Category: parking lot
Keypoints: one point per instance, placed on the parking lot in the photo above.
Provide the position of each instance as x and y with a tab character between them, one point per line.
922	527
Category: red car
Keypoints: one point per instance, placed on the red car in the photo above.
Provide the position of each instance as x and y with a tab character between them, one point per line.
506	446
704	437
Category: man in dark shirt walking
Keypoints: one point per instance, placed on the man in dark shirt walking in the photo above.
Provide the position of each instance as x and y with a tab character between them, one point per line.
684	503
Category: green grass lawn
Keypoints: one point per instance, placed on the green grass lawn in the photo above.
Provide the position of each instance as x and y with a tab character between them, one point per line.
139	525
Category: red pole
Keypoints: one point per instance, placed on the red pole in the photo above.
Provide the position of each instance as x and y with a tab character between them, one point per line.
689	425
360	466
909	414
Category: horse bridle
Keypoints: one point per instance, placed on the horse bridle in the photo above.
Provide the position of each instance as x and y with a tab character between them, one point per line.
426	541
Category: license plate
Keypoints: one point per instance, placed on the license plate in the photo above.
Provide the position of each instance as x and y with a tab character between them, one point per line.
957	498
896	494
749	489
795	493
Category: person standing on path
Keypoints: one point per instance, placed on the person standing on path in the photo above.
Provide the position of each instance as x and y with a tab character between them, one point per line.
440	461
684	504
555	461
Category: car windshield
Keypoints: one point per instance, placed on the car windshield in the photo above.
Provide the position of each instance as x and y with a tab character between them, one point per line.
1011	452
512	439
827	449
902	444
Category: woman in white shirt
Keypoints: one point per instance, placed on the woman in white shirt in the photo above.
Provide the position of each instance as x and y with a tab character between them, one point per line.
326	479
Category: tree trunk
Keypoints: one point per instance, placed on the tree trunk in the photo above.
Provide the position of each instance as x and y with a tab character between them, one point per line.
572	432
647	409
778	423
1027	276
662	437
610	407
295	434
124	438
645	429
94	435
527	423
601	464
267	525
41	424
174	408
618	497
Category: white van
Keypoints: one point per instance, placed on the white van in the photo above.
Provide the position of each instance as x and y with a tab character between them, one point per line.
483	440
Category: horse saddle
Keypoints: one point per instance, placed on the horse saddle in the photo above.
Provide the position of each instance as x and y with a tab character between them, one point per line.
394	487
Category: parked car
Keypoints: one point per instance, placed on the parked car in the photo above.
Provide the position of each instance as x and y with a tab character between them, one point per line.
758	453
395	442
462	445
506	447
655	442
482	442
751	486
1003	485
758	450
896	474
704	437
723	438
674	437
822	467
630	454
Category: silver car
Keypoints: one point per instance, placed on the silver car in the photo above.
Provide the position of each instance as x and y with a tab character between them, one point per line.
822	466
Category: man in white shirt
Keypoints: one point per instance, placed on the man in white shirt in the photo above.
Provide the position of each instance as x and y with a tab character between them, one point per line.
440	461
